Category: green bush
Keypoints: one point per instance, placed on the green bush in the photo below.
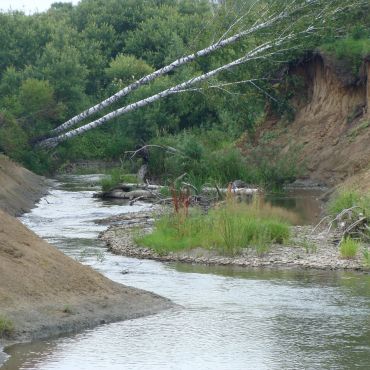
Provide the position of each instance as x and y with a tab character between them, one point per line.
198	154
366	255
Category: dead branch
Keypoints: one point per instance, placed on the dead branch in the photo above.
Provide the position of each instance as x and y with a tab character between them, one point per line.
168	149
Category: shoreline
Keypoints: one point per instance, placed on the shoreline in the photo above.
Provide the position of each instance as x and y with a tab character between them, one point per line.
44	293
319	252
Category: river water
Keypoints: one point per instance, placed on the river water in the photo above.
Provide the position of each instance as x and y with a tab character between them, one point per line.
231	318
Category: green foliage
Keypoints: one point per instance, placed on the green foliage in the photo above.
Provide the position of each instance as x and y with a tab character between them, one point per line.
228	230
308	245
6	327
208	156
194	156
127	69
115	177
56	64
349	248
351	51
366	255
272	168
347	198
13	138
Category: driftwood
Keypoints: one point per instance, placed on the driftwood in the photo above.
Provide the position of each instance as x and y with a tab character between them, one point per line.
202	198
350	222
239	191
121	194
149	191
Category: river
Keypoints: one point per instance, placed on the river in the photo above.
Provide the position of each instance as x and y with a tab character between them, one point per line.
230	318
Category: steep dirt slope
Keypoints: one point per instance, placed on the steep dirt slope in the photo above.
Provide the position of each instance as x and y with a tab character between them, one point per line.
332	121
46	293
42	291
19	188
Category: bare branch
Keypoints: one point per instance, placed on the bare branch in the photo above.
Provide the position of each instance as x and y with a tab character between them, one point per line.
168	149
288	12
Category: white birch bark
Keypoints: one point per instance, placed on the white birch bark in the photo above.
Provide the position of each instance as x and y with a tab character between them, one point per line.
293	7
256	53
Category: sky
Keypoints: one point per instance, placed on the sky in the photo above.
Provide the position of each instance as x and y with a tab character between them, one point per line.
30	6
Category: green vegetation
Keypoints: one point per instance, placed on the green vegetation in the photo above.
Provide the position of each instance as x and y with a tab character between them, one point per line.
366	255
309	246
6	327
67	309
349	248
227	230
351	51
210	157
116	176
55	64
346	199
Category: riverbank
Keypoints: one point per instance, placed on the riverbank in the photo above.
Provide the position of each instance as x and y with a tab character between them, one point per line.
44	293
306	249
20	189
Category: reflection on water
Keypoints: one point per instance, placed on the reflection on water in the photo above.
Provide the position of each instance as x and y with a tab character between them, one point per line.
305	202
231	318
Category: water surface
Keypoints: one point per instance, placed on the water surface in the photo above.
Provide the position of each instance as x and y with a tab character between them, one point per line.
231	318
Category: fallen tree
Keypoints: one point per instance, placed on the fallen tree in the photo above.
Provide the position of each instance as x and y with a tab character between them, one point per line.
266	20
295	20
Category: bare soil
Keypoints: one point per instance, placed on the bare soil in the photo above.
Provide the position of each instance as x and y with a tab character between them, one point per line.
20	189
331	125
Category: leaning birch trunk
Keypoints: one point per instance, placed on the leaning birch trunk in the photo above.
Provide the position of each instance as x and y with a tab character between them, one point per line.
165	70
252	55
294	8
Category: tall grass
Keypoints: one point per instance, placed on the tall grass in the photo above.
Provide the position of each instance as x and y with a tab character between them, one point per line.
228	229
347	198
116	176
349	248
6	327
366	255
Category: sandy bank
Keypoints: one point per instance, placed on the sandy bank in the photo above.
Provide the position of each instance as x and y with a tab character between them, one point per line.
306	250
20	189
46	293
43	292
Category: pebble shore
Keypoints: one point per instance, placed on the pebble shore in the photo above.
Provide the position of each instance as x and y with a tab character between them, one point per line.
307	250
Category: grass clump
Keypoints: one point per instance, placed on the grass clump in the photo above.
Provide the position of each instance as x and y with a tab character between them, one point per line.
115	177
228	229
348	198
6	327
349	248
309	246
366	255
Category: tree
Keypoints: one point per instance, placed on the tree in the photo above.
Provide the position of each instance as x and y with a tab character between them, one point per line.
267	20
283	27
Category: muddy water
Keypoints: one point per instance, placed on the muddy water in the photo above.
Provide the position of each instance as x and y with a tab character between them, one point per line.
231	318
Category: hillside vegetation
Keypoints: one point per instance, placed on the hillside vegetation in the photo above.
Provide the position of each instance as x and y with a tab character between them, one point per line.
55	64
